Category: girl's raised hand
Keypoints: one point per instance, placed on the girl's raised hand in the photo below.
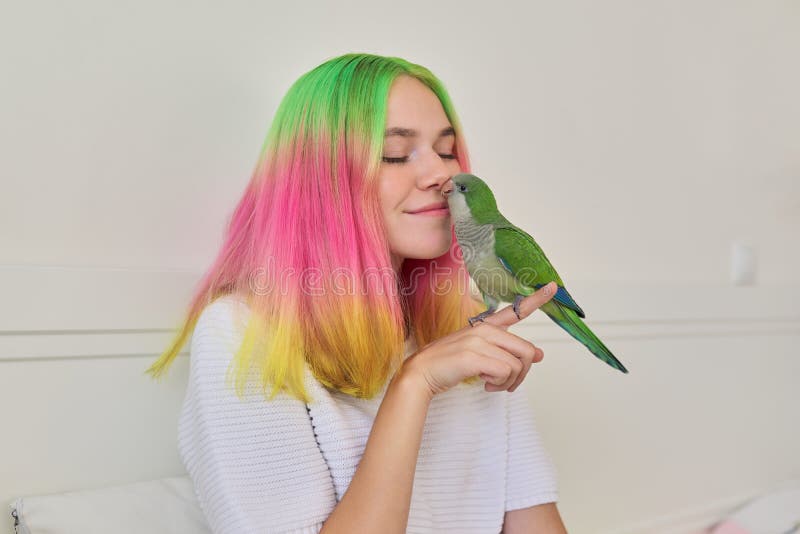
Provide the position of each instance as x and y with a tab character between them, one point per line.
487	349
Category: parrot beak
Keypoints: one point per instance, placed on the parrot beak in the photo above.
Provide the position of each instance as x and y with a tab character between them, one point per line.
447	188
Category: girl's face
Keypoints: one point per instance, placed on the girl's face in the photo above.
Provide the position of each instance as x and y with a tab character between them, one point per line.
418	159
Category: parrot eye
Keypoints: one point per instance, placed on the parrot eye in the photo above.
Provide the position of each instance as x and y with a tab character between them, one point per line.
462	187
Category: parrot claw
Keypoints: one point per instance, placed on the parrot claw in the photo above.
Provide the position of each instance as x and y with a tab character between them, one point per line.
479	318
515	306
473	320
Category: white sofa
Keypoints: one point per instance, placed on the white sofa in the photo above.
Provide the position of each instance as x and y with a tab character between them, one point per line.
162	506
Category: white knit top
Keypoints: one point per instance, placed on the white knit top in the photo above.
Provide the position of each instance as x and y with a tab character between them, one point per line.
281	466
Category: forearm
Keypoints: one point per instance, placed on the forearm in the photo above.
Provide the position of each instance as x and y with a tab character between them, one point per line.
379	496
539	519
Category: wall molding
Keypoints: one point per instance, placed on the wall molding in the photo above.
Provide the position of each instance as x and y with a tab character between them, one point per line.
135	313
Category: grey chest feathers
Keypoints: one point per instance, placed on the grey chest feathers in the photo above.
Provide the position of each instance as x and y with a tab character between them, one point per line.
491	277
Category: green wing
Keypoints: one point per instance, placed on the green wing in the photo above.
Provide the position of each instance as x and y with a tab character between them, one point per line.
523	257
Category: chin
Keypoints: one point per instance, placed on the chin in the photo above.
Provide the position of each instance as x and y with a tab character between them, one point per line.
428	253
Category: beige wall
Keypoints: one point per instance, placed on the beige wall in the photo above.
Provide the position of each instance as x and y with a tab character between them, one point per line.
637	141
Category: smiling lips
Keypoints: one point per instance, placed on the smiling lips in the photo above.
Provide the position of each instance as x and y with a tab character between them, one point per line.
442	212
435	209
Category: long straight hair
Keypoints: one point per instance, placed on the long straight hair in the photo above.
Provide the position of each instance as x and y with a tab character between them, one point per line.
309	220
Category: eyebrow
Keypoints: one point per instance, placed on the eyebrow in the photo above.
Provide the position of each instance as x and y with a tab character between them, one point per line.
408	132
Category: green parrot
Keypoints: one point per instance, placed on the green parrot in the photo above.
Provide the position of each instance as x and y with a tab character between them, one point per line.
507	264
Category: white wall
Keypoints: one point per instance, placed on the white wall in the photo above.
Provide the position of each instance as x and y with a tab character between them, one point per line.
635	140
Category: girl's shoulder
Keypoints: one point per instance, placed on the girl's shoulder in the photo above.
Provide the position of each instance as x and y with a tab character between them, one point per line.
229	306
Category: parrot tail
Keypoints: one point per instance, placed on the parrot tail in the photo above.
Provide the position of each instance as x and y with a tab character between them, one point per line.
569	321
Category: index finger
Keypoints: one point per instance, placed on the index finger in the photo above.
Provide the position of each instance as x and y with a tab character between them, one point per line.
506	317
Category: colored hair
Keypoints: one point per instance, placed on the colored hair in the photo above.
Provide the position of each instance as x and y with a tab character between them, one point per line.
312	207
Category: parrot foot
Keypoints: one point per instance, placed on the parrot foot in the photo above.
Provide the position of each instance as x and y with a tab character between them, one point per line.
515	306
479	318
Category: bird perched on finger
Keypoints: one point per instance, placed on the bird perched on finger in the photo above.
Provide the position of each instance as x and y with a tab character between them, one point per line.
507	264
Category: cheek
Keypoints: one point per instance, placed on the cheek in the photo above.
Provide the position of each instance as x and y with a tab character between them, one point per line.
391	192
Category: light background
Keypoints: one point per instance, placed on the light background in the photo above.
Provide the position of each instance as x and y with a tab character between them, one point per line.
637	141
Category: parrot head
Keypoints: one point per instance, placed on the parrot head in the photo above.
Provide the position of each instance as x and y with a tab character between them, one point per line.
470	200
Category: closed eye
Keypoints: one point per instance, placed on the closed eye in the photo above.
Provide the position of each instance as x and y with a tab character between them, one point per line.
404	159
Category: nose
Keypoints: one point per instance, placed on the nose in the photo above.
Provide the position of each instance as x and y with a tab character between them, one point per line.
435	173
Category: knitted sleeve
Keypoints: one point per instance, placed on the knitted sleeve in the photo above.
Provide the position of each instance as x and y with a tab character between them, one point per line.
531	476
255	464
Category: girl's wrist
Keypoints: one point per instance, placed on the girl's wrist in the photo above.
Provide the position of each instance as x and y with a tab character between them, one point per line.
411	382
